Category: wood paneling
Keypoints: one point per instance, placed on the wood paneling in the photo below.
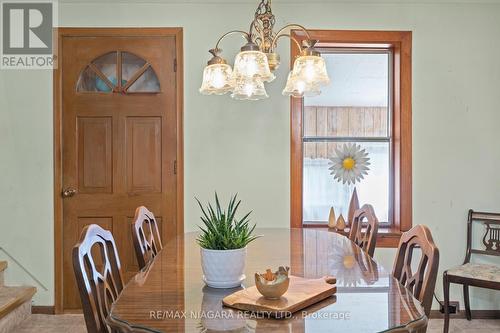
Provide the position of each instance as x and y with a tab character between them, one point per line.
103	222
400	42
92	145
321	130
143	149
95	166
334	121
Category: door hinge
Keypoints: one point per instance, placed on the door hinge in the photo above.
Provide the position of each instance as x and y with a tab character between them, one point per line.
175	65
175	167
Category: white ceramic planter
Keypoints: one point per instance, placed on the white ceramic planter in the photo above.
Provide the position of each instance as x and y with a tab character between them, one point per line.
223	268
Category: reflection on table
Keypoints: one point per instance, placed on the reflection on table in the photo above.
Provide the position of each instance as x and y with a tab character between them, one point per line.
169	295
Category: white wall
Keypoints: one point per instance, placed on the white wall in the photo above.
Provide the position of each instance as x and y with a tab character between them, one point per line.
243	147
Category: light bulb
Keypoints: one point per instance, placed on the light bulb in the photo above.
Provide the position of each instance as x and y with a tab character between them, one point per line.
248	89
218	79
250	67
300	86
309	71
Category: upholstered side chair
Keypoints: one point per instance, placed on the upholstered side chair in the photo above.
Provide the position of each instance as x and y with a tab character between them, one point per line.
475	274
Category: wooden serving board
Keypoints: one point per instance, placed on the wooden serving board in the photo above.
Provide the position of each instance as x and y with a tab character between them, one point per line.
301	293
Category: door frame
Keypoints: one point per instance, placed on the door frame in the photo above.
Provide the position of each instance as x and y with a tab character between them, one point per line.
59	33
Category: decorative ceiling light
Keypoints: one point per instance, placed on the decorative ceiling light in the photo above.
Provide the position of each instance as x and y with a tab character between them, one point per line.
257	60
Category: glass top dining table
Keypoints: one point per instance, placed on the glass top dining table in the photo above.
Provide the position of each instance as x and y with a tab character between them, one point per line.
169	295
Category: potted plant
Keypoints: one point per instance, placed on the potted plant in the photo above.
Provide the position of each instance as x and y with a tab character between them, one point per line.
223	241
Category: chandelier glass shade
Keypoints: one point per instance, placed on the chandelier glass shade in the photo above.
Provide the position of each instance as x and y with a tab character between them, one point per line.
249	89
311	69
297	87
217	79
253	66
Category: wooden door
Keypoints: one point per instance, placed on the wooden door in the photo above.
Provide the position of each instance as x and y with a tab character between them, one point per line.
119	140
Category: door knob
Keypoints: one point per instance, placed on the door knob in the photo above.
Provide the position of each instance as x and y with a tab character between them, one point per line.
68	192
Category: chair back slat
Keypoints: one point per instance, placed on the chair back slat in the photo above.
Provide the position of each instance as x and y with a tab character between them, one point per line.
99	284
146	236
490	238
421	282
494	217
367	239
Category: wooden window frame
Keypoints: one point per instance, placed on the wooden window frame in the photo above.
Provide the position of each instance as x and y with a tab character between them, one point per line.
118	88
400	43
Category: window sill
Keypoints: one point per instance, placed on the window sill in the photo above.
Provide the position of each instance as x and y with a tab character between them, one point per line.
386	237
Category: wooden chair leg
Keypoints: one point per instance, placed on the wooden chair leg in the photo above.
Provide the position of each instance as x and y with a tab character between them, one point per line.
446	292
468	314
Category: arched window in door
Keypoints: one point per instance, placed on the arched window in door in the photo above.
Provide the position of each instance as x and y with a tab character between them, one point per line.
118	72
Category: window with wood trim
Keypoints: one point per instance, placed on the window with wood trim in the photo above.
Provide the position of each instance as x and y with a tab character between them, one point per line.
368	104
118	72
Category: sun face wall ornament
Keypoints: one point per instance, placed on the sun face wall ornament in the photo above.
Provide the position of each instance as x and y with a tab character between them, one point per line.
350	164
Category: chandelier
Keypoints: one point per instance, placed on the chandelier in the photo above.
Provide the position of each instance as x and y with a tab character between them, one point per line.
255	63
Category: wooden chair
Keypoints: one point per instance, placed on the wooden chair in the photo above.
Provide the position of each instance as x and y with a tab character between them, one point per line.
472	274
368	239
99	286
145	235
422	282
